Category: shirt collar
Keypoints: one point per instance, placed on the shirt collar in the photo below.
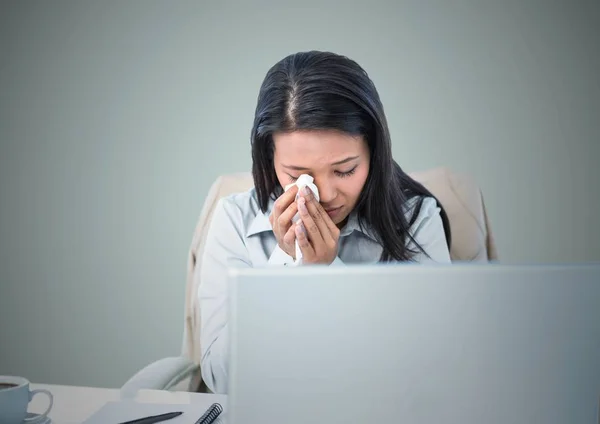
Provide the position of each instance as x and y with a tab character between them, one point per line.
354	225
261	224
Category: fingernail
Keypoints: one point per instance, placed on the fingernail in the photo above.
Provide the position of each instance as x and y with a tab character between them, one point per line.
300	228
306	190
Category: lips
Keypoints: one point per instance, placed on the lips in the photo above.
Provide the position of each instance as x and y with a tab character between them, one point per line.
328	210
334	212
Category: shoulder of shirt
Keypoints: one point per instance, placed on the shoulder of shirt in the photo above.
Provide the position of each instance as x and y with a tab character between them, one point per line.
242	208
429	209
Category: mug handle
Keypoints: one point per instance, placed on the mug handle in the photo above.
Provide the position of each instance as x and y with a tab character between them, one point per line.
32	393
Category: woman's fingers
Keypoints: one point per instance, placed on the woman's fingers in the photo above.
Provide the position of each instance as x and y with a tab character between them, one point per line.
327	227
312	228
303	242
283	202
290	236
281	220
285	219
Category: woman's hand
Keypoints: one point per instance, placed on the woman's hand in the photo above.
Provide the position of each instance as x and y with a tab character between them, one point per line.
281	221
316	233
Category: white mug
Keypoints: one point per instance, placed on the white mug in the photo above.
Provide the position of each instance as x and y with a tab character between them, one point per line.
14	400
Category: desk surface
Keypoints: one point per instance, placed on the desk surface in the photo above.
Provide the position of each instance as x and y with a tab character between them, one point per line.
74	404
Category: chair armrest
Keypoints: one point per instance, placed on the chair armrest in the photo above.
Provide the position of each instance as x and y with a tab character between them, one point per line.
160	375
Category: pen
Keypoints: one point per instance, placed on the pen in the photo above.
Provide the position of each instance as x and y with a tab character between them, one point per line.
154	418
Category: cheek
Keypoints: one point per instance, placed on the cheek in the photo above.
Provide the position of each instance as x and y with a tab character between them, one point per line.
360	179
282	177
279	176
354	185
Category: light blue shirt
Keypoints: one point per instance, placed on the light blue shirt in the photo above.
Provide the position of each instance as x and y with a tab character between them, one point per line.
240	235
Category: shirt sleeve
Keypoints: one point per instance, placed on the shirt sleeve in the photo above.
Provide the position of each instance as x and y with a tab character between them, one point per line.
224	248
279	257
428	232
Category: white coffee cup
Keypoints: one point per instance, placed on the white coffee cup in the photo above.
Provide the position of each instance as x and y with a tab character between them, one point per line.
14	400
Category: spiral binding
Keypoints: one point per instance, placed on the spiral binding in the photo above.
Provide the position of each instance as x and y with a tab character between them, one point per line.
211	414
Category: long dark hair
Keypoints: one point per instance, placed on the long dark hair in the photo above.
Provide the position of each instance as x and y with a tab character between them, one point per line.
325	91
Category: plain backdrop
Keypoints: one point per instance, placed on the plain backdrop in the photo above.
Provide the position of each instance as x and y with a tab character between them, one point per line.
117	116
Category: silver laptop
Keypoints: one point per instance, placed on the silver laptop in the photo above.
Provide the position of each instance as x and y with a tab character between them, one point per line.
445	344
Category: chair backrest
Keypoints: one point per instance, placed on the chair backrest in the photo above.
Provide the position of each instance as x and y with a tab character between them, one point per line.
462	199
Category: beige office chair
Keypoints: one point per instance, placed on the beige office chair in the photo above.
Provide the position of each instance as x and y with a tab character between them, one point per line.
472	240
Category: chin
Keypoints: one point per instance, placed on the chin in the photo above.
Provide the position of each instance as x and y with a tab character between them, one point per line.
341	220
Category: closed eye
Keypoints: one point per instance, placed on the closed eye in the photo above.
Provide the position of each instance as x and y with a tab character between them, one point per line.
341	174
346	173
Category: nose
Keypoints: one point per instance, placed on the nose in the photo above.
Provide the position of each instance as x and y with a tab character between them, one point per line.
327	190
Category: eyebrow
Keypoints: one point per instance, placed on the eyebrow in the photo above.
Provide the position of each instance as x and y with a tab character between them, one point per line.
340	162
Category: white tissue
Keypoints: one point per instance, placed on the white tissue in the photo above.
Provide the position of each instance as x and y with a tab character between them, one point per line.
302	181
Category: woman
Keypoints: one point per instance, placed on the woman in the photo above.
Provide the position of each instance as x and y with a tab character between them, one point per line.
318	113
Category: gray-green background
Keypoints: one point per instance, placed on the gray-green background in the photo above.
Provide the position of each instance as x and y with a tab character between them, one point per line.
116	116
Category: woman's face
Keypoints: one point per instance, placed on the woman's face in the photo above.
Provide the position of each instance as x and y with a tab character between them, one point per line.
338	162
